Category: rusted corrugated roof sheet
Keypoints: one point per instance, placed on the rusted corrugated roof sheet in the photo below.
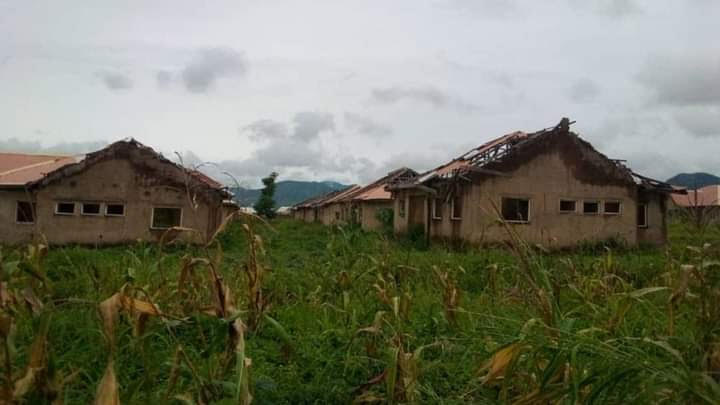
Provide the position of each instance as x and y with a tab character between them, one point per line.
341	195
323	199
476	157
501	155
378	189
205	179
707	196
18	169
133	151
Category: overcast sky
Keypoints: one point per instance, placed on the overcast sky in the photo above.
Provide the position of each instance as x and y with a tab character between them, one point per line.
346	91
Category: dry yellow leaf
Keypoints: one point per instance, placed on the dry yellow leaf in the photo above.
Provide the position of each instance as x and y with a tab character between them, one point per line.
107	391
497	365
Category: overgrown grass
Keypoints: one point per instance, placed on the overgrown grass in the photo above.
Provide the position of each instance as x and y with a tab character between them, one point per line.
342	315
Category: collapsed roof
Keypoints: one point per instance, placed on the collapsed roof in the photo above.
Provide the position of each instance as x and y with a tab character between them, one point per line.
140	156
323	199
502	155
375	191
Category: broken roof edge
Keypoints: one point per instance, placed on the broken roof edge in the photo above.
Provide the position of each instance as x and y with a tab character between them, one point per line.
380	186
469	162
97	156
657	185
322	199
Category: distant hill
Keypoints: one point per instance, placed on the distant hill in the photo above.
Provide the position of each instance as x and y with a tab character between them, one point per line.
694	180
287	192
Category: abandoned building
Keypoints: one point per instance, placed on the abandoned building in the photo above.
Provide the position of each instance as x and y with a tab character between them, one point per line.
325	208
355	204
549	187
122	193
702	205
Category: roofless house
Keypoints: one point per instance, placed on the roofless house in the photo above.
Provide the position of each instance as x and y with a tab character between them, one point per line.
549	186
121	193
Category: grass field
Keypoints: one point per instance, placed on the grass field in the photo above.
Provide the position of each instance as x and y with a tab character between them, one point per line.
313	314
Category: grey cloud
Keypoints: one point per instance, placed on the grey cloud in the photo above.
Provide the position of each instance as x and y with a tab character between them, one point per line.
700	121
282	151
609	8
366	125
308	125
583	91
485	8
289	153
62	148
502	79
429	95
618	8
163	78
683	80
209	65
262	130
115	80
416	161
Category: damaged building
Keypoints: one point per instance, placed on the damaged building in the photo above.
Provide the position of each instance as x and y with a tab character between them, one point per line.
550	187
122	193
354	204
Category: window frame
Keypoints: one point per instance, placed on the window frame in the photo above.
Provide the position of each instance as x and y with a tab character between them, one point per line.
114	215
401	207
33	212
434	213
596	202
67	214
619	211
516	221
452	209
562	211
82	209
646	219
152	217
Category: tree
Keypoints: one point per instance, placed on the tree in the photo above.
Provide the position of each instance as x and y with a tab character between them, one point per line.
265	205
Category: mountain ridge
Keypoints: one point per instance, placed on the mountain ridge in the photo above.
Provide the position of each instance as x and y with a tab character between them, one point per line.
694	180
287	192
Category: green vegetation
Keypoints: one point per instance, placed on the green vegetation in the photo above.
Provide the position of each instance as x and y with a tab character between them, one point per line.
265	206
301	313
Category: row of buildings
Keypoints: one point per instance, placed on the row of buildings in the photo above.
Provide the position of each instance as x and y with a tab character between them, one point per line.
550	187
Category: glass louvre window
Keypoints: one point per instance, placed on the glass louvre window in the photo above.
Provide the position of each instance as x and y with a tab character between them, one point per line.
91	208
437	208
65	208
642	217
516	209
612	208
115	210
25	212
456	208
568	205
166	217
591	207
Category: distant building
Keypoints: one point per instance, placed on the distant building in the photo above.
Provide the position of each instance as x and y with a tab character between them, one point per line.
121	193
702	205
550	187
354	204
